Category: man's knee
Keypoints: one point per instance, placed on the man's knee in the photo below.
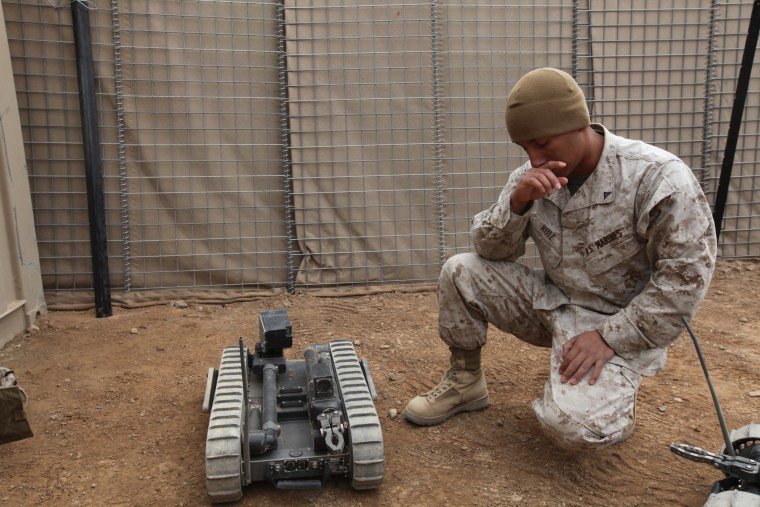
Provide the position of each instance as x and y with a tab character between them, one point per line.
463	263
460	278
573	431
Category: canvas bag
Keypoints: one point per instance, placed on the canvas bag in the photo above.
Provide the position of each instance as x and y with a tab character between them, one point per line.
13	420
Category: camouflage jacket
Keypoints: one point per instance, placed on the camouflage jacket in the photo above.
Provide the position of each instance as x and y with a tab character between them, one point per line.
635	244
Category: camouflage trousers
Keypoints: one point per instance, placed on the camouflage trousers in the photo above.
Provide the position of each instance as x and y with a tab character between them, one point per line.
474	292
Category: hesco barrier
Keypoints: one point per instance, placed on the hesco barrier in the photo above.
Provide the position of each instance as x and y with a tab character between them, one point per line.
260	147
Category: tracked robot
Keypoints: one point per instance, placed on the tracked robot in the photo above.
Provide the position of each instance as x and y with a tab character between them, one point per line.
294	424
738	458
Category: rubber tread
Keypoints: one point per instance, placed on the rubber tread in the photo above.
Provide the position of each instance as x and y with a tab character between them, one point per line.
749	432
224	473
366	438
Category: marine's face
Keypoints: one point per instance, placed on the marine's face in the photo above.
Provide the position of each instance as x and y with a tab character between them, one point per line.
568	148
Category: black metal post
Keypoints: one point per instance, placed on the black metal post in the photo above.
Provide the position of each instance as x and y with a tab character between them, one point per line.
92	160
736	116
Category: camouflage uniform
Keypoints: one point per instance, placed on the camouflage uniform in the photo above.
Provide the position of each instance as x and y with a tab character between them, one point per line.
628	254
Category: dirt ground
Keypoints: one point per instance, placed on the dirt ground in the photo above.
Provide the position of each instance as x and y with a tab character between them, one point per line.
115	405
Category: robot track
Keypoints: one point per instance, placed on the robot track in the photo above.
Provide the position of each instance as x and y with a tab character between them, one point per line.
368	464
224	460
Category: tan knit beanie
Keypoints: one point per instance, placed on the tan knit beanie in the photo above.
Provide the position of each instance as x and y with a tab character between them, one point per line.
545	102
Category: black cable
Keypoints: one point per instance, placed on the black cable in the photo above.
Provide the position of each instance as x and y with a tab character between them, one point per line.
724	429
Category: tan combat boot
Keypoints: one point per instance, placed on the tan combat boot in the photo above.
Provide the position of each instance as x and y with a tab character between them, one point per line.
462	389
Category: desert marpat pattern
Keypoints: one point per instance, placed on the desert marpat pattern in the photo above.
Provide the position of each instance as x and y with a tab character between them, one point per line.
628	254
635	245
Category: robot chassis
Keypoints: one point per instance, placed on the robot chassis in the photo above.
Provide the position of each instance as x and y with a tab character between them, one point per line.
292	423
738	459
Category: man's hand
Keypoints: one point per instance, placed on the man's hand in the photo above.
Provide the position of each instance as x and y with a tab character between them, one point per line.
581	353
536	184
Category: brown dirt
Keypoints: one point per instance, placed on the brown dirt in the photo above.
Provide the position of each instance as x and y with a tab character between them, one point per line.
118	421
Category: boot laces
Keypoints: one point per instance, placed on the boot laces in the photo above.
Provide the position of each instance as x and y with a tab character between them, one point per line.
448	381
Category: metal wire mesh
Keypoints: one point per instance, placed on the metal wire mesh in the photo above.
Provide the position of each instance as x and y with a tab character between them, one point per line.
277	145
738	237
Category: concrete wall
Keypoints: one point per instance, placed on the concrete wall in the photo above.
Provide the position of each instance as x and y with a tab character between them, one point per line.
21	295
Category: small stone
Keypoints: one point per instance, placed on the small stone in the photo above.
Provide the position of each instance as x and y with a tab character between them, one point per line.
743	319
357	343
393	413
677	399
392	376
662	408
754	394
134	330
180	304
384	347
33	329
499	422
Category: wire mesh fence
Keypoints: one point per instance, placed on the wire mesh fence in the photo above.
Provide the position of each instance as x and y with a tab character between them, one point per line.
278	145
